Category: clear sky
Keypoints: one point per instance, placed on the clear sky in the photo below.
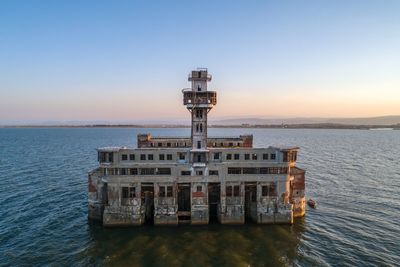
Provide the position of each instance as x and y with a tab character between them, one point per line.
129	60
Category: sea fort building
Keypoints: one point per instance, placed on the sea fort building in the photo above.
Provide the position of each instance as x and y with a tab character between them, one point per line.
196	180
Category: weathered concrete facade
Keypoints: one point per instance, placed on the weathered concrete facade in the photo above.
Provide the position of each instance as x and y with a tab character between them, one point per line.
167	181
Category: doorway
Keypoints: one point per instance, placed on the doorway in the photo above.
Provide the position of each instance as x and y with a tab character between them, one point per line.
147	196
184	205
214	200
250	199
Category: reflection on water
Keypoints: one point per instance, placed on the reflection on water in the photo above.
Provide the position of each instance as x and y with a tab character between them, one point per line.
210	245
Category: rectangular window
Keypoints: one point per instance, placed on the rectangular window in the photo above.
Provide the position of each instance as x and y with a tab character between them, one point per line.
246	156
132	192
131	156
265	156
133	171
124	157
125	192
199	173
237	156
264	171
169	191
199	188
161	157
168	144
181	156
142	156
185	173
236	191
122	171
159	144
250	170
198	144
147	171
228	156
216	156
230	144
229	191
162	191
254	157
234	171
264	190
169	156
164	171
150	157
213	172
273	156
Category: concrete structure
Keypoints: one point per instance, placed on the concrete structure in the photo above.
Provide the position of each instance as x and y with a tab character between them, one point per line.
172	180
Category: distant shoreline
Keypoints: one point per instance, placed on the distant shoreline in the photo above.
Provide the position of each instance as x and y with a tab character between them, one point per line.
261	126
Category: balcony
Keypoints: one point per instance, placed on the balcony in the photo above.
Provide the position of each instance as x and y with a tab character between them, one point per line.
199	98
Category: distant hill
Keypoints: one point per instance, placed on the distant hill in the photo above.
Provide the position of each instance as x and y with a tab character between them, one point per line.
383	120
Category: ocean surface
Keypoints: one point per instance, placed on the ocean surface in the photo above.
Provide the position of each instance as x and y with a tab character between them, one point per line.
353	174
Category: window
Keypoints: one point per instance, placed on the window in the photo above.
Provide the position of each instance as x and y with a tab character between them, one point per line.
122	171
168	144
228	156
159	144
236	191
199	173
198	144
265	156
264	171
254	157
125	192
142	157
264	190
181	156
161	157
231	144
201	127
246	156
150	157
198	86
199	188
164	171
234	170
169	156
133	171
197	127
237	156
213	172
132	192
185	173
229	191
124	157
162	191
131	156
147	171
250	170
169	191
273	156
216	156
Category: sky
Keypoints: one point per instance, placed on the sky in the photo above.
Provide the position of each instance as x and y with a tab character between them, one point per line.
128	60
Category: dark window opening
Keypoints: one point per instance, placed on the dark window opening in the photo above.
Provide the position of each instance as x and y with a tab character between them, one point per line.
228	156
169	156
199	188
150	157
133	171
213	172
246	156
236	191
164	171
142	156
199	173
124	157
237	156
254	157
273	156
182	156
162	191
198	144
161	157
265	156
169	191
234	171
185	173
216	155
131	156
229	191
